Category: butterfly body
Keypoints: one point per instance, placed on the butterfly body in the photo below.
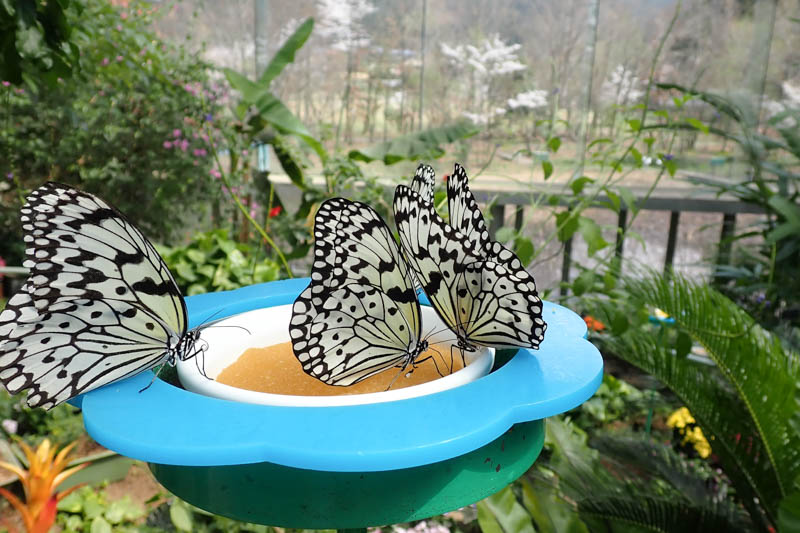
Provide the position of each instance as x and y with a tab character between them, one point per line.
99	304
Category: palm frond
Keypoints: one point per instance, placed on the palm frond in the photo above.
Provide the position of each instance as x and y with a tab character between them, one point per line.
744	404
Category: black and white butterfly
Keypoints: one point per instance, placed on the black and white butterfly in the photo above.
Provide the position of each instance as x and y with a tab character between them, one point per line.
99	305
360	314
483	296
424	181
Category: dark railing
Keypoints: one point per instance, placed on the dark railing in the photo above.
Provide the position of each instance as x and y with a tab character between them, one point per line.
502	203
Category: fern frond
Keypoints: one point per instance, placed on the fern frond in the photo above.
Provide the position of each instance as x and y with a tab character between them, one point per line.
744	405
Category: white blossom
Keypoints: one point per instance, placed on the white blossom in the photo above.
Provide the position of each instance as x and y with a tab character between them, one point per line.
528	100
340	20
621	87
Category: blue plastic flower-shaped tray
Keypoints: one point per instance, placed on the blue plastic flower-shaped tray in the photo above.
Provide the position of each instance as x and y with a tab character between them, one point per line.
170	426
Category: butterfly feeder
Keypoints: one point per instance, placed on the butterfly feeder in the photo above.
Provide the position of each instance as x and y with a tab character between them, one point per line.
352	466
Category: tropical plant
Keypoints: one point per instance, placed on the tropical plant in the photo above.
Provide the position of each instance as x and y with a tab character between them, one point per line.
47	469
761	275
745	404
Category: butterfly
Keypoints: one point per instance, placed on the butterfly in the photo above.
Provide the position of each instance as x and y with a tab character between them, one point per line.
424	181
360	314
99	305
482	294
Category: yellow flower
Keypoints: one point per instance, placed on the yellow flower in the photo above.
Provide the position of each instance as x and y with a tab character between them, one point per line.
680	418
684	422
46	471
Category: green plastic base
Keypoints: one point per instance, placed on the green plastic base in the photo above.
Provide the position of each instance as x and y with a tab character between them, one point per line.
276	495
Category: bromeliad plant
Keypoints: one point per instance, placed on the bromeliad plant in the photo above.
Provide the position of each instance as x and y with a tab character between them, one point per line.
47	469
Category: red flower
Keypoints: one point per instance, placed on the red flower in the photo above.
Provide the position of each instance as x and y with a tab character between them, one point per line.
593	324
275	211
445	177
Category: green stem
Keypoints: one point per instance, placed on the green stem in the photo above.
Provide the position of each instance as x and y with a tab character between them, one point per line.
240	205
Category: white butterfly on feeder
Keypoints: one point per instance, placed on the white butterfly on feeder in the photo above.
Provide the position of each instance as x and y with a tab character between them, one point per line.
99	306
479	288
360	314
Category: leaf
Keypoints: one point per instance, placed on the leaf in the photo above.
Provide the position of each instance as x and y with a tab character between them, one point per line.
181	516
567	224
628	198
99	525
583	282
697	124
523	247
286	53
424	144
670	165
547	168
619	322
553	144
505	234
683	344
579	184
507	515
248	89
637	156
789	513
591	234
601	140
273	111
634	123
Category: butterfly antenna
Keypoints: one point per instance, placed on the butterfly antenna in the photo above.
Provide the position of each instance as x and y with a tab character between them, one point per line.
229	326
149	384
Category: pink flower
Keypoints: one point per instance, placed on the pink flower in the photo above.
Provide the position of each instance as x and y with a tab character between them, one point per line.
119	27
176	133
119	58
6	83
184	145
123	15
214	172
105	61
244	153
142	52
199	152
167	144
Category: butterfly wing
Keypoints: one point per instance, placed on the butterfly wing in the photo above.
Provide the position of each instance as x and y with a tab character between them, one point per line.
360	313
424	181
465	215
482	301
99	305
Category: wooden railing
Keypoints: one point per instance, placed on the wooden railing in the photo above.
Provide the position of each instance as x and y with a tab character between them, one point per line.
503	203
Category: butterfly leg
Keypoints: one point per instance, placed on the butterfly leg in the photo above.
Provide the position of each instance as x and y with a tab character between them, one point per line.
149	384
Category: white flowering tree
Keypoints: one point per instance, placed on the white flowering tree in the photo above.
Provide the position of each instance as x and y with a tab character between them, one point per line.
341	21
482	67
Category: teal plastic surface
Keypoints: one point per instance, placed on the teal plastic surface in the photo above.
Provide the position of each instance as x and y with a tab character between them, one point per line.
167	425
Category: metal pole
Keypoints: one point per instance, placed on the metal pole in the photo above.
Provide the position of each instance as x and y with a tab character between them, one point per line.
422	64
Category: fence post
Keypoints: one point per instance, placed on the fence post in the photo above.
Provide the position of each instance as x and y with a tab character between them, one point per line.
498	217
674	218
724	248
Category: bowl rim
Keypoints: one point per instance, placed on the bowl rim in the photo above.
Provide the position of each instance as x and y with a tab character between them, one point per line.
479	364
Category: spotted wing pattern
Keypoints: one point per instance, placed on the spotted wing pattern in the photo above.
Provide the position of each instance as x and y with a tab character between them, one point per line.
465	215
482	300
99	304
360	314
424	181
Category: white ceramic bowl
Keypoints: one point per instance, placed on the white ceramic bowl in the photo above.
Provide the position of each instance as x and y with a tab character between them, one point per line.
270	326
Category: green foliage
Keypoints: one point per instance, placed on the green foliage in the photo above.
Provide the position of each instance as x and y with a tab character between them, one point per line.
178	515
425	144
129	126
615	400
62	425
38	40
88	510
213	262
744	403
762	277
